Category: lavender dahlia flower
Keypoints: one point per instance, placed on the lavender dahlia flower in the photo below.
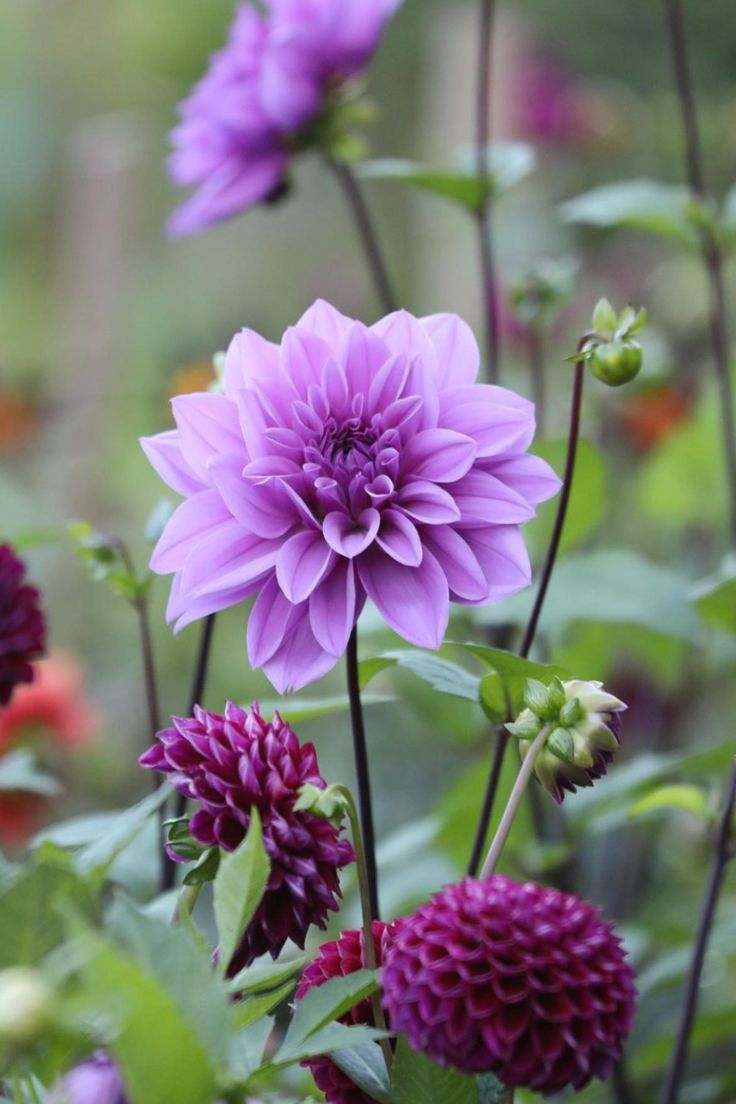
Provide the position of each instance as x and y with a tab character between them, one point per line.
348	462
94	1081
275	76
339	958
228	764
517	980
22	624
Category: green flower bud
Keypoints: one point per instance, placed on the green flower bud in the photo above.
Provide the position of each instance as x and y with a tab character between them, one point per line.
616	362
25	1004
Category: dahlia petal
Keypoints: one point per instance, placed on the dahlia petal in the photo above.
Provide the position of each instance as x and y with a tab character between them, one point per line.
299	659
387	385
323	320
268	622
263	508
497	428
456	349
438	455
332	608
501	552
255	422
193	520
183	609
413	600
304	354
399	538
362	355
208	427
226	559
302	564
165	456
249	357
350	537
233	188
484	500
531	476
428	503
464	573
401	332
290	91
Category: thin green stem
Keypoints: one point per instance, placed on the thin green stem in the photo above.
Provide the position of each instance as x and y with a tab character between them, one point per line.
522	781
360	750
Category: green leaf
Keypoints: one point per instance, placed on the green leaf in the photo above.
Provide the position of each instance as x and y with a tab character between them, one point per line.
715	597
19	771
97	856
249	1011
331	1037
325	1003
264	975
161	1055
294	710
514	671
508	163
616	585
246	1049
366	1068
439	673
239	886
691	799
588	503
640	204
417	1080
30	921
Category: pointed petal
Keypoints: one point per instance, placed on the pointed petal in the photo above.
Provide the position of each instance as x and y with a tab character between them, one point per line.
464	574
165	456
190	523
233	559
398	537
323	320
438	455
249	357
502	553
348	537
414	601
228	192
332	608
264	508
457	350
428	503
302	564
268	622
484	500
304	354
529	475
299	659
208	427
362	355
498	427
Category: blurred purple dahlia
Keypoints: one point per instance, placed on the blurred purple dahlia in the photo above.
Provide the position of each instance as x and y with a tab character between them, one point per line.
228	764
339	958
517	980
94	1081
22	624
348	462
274	77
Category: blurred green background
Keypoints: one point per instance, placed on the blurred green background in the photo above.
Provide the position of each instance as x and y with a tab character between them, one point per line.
102	320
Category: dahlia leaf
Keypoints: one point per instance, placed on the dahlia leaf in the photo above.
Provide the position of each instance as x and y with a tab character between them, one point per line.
366	1067
96	857
19	772
441	674
636	205
691	799
418	1080
246	1049
325	1003
333	1037
264	975
251	1010
239	886
296	709
514	671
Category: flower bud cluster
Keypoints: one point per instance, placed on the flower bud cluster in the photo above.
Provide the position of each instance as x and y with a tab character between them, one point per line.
583	723
613	353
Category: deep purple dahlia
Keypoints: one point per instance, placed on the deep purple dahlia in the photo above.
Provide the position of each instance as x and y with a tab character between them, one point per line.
94	1081
339	958
22	624
348	462
243	120
228	764
517	980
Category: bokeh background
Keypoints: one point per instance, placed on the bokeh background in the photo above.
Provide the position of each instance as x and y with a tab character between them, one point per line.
102	320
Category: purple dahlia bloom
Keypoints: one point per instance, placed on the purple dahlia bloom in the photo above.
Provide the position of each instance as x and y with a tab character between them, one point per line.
339	958
94	1081
348	462
228	764
517	980
242	121
22	624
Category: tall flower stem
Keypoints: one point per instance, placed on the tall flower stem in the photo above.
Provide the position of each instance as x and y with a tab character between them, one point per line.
367	233
140	606
362	772
484	219
512	808
369	946
530	632
710	248
196	693
724	852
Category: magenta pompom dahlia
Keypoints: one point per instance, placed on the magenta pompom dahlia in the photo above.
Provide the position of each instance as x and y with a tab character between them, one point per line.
517	980
230	763
22	624
246	117
348	462
339	958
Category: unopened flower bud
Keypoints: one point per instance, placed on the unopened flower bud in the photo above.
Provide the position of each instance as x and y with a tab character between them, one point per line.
583	723
617	362
25	1004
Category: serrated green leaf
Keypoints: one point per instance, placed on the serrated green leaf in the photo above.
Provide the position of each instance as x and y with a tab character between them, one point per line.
325	1003
331	1037
366	1067
238	888
264	975
416	1079
639	204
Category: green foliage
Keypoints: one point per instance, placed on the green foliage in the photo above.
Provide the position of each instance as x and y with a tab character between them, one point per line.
715	598
296	709
366	1067
416	1079
19	771
662	209
239	886
513	671
109	561
439	673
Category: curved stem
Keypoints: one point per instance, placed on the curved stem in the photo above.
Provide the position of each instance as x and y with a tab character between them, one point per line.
710	248
494	777
484	222
367	233
724	852
517	793
361	769
149	669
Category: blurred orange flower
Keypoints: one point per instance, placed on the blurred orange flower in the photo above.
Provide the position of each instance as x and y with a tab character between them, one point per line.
651	416
19	420
191	378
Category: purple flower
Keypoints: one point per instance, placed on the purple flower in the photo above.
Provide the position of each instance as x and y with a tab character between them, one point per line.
348	462
94	1081
229	764
248	114
22	624
517	980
